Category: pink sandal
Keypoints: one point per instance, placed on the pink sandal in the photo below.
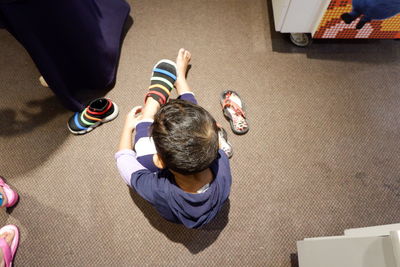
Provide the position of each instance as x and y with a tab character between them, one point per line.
9	251
12	196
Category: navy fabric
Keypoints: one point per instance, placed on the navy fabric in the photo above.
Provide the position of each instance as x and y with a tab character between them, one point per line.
192	210
74	43
188	97
142	130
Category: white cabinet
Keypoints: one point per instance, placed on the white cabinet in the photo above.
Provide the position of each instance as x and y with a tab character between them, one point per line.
377	246
298	16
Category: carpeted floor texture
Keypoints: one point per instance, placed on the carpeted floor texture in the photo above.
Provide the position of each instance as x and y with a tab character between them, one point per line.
322	154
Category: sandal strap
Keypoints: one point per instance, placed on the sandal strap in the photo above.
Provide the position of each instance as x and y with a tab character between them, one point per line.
7	254
229	103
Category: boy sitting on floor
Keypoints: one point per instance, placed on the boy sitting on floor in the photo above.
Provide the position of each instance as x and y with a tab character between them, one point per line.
177	164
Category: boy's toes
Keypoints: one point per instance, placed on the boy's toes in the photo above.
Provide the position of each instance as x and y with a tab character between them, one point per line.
181	53
184	55
187	55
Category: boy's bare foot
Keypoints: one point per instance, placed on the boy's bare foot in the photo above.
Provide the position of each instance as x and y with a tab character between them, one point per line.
182	62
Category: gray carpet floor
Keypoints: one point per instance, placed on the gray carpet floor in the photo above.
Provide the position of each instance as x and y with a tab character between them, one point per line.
322	154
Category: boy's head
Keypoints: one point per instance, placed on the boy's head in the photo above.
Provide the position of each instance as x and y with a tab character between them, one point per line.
185	136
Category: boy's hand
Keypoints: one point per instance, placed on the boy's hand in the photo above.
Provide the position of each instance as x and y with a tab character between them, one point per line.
133	117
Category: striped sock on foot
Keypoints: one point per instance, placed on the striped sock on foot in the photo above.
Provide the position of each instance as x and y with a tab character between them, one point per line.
162	81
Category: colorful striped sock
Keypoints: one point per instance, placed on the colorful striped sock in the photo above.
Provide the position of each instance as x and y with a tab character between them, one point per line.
162	81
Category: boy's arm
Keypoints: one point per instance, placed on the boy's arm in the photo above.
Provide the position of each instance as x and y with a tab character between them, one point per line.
136	175
130	123
127	164
126	157
126	139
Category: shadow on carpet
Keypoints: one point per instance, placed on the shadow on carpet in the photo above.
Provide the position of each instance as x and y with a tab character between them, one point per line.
195	240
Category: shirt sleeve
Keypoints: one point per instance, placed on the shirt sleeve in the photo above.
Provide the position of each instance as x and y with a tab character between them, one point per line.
145	182
127	164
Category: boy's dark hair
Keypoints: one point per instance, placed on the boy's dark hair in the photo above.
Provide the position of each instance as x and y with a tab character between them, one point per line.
185	136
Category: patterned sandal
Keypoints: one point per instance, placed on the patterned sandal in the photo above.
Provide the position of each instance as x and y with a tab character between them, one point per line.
233	108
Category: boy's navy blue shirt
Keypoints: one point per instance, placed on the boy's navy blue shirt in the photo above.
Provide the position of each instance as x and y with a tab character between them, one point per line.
174	204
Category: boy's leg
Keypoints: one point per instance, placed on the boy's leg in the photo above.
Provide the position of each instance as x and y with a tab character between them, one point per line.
182	87
144	144
162	82
185	93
